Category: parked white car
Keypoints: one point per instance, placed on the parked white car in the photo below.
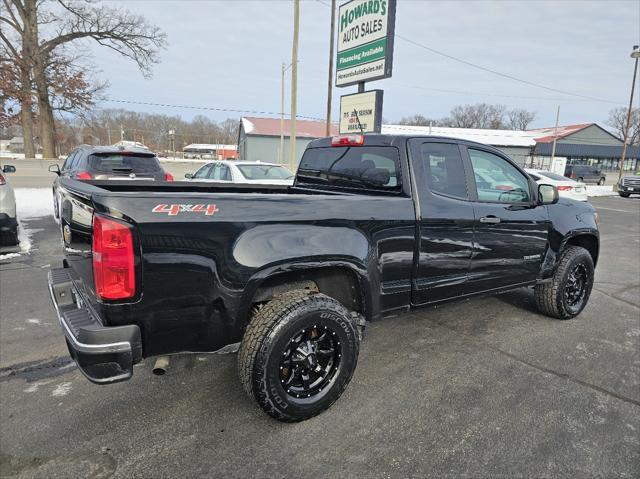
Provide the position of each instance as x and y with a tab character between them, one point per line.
566	187
243	172
8	218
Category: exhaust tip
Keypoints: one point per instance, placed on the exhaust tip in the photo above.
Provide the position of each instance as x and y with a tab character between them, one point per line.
161	365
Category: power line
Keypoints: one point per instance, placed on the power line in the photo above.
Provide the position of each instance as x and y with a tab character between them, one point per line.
208	108
494	72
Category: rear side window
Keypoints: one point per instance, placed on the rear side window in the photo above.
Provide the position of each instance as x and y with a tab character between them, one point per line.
69	161
360	167
204	171
265	172
442	163
124	163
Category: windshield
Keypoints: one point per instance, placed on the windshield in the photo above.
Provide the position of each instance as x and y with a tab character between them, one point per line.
553	176
265	172
120	163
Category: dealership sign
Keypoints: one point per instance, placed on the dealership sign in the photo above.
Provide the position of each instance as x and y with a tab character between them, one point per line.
365	41
361	112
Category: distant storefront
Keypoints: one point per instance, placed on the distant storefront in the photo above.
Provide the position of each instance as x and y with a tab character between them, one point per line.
587	144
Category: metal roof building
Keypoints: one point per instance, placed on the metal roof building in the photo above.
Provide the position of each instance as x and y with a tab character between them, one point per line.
259	138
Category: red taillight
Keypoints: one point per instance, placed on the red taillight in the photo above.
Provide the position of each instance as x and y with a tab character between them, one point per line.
113	262
2	180
349	140
565	188
168	176
83	175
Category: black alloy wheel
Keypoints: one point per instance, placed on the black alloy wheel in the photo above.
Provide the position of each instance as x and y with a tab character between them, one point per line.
310	361
575	287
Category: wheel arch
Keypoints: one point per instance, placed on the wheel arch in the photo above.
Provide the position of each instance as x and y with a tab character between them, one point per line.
343	281
588	241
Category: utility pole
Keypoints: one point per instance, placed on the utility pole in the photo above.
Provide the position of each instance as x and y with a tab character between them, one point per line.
294	85
281	150
109	133
555	137
330	79
634	54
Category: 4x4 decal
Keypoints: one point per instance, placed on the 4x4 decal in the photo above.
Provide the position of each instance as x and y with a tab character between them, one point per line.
174	210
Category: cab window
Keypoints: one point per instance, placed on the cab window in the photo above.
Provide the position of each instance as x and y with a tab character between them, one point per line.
442	163
497	180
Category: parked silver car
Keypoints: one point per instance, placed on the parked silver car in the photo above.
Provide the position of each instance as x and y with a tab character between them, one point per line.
8	218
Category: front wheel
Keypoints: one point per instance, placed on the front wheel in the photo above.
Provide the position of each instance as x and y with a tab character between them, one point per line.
298	355
601	181
568	291
624	195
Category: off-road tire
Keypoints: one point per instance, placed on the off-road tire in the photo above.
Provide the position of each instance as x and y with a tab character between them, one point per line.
624	195
550	296
268	335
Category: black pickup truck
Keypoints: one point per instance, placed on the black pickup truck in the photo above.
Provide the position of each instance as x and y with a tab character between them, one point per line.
372	225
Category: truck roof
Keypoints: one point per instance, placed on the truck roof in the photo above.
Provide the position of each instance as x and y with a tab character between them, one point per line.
374	139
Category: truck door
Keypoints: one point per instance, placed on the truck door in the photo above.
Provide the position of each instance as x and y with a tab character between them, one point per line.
511	230
445	220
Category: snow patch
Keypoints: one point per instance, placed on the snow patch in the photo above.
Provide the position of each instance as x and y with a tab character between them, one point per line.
33	321
61	390
247	126
595	190
9	256
33	202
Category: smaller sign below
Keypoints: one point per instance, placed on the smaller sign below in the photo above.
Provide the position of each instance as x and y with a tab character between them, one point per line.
361	112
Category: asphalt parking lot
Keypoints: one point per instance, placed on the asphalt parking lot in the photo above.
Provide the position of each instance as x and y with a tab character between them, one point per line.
482	388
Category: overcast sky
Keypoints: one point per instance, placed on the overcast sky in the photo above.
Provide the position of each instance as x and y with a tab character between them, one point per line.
227	54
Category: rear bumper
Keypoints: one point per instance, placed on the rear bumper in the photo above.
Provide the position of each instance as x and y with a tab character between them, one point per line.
8	224
103	354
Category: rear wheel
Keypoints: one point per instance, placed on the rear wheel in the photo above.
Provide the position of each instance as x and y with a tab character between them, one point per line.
566	295
298	355
601	181
581	180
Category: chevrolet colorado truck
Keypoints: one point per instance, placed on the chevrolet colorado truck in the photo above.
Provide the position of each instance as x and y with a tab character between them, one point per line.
372	225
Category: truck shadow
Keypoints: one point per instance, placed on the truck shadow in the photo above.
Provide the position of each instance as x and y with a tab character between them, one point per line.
520	298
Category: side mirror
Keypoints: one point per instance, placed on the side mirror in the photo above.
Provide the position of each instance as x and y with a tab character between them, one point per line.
9	169
547	194
188	176
54	169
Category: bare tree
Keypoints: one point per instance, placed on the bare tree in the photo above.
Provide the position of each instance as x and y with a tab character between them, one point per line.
230	129
417	120
618	121
519	119
480	115
69	21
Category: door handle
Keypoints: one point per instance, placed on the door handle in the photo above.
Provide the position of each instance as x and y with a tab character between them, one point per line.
490	219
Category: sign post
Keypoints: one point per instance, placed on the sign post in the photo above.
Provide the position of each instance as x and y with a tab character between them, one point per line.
365	53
